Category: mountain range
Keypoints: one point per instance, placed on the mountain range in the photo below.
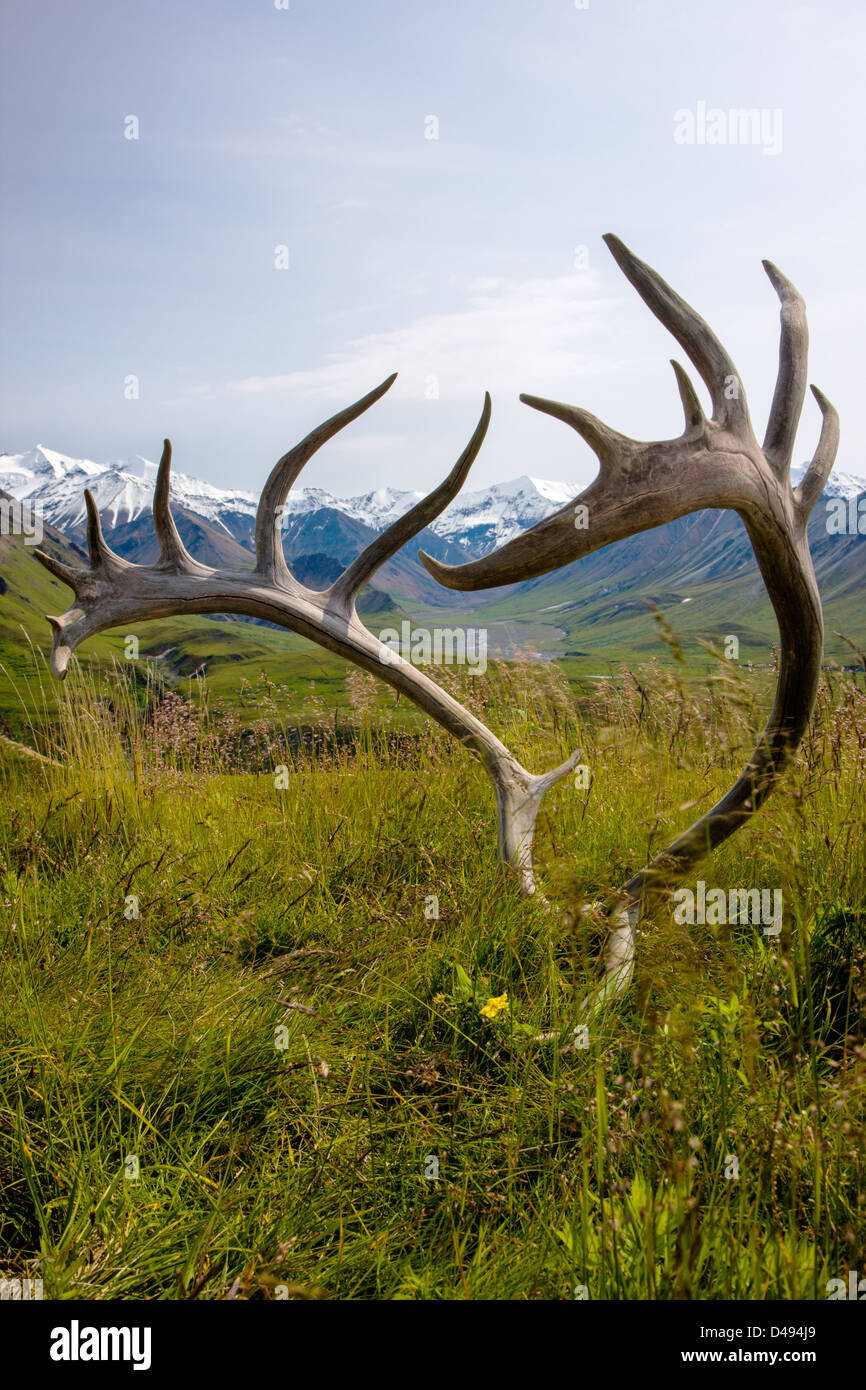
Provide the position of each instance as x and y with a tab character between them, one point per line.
124	492
218	525
587	609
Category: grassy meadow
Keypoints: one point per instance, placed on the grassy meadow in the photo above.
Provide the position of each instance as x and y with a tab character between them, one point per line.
247	1055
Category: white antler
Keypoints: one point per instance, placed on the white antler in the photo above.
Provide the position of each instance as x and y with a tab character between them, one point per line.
716	462
113	593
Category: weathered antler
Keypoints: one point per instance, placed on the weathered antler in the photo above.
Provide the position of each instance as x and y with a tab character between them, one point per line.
716	463
113	593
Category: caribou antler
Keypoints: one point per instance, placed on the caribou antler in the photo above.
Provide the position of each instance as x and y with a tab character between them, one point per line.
113	593
716	462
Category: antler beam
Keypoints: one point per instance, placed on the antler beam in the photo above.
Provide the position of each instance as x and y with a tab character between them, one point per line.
113	593
715	463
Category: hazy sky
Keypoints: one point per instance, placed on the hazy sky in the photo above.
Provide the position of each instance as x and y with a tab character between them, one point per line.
450	258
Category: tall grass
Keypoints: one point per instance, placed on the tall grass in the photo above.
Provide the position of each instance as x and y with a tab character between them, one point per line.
307	1015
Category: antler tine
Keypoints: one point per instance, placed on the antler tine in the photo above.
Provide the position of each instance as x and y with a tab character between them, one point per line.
270	560
61	652
790	389
64	573
98	549
812	485
692	408
607	444
395	536
692	333
173	552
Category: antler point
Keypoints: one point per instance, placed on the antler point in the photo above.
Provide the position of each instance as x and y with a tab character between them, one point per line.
786	291
434	567
692	408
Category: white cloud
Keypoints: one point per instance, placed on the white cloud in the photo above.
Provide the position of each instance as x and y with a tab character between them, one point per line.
202	390
512	336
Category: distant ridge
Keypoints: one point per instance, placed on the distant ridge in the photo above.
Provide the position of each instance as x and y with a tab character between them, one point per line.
476	521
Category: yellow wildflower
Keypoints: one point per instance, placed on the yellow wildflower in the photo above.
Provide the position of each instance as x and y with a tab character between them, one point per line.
495	1006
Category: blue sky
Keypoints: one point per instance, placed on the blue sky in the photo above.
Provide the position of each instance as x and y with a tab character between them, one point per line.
451	258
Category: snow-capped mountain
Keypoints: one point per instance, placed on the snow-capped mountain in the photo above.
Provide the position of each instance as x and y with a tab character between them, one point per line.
839	484
123	490
480	521
377	509
25	475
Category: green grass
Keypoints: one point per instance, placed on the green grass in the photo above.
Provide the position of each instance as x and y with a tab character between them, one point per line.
285	1041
